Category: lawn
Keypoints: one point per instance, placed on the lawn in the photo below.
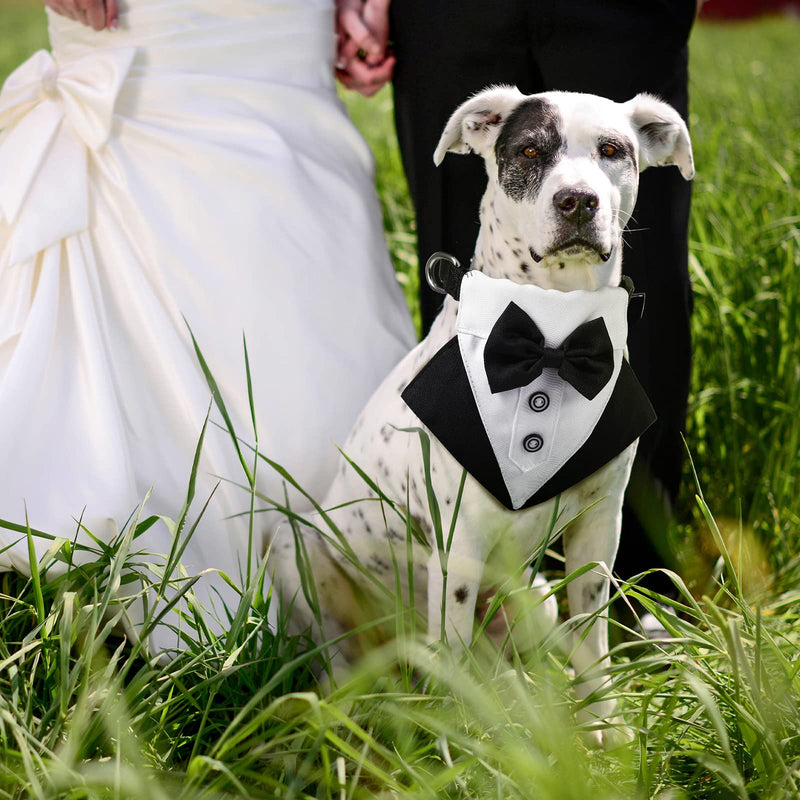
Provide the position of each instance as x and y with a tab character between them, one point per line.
714	711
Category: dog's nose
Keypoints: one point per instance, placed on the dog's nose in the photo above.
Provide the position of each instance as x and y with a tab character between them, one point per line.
576	205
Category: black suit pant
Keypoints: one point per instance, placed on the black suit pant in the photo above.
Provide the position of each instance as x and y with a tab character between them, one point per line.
449	49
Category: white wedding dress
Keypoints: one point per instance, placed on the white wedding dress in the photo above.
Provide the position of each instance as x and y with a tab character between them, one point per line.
193	170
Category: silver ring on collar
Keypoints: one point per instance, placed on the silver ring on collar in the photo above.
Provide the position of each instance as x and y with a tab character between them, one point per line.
430	274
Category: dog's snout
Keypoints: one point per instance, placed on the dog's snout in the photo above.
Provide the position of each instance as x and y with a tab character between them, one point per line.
576	205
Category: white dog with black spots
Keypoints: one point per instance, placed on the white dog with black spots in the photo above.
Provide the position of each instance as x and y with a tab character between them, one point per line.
562	182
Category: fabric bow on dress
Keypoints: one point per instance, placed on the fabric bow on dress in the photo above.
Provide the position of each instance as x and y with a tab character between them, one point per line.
50	118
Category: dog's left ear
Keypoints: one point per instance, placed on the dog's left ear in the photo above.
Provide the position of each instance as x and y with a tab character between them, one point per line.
475	124
663	135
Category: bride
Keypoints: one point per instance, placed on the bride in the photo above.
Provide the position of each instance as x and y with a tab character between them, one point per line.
191	171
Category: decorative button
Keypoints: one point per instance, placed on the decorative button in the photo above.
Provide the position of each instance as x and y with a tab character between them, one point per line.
532	443
538	401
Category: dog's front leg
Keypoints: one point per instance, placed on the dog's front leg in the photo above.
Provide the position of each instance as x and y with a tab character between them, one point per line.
454	579
593	538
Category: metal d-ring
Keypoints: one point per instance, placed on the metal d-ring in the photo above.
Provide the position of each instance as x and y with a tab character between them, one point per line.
435	282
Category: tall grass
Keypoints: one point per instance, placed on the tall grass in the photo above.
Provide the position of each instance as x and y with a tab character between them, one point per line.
713	709
744	426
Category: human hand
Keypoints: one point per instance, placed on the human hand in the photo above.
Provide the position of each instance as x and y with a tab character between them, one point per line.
97	14
365	79
364	63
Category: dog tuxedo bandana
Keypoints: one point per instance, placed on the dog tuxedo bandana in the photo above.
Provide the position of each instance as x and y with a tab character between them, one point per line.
534	393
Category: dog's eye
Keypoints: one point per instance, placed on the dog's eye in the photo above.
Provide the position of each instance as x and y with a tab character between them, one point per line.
608	150
530	151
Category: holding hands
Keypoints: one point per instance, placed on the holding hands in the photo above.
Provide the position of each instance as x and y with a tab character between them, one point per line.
97	14
364	62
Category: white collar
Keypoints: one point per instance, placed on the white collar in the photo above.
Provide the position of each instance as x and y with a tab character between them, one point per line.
534	430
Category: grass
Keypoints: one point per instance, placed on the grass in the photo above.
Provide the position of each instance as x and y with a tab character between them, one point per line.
714	709
745	256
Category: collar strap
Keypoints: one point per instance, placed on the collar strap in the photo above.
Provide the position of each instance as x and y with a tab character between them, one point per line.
444	274
636	301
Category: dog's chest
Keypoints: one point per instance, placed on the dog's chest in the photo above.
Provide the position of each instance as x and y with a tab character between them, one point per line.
383	449
530	393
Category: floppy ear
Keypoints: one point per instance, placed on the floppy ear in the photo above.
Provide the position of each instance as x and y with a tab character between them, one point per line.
663	135
475	124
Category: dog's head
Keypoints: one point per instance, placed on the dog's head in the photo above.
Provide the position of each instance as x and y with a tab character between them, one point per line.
565	166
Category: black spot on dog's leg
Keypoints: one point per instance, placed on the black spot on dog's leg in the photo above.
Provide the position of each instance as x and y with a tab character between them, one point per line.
379	564
386	432
393	534
591	592
461	594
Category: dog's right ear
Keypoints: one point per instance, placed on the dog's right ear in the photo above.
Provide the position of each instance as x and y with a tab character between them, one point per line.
475	124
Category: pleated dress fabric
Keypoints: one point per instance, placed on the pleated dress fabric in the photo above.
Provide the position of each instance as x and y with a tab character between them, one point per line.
192	171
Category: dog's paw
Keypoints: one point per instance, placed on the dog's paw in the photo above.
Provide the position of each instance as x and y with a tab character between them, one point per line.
614	733
592	740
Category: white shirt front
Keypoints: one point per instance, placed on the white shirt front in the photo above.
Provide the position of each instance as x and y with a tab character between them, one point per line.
535	429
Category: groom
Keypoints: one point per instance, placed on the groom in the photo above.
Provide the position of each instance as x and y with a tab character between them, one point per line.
445	50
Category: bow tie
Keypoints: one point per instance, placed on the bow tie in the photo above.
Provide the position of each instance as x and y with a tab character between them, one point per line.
515	354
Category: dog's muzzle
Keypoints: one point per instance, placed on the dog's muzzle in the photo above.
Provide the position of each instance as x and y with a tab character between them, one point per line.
576	206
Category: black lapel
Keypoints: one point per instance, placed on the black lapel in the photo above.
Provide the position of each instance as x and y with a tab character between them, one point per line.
441	396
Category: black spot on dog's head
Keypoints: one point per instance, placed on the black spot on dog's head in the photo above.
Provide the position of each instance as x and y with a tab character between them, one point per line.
534	127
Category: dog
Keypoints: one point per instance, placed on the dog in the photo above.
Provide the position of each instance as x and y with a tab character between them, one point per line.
562	182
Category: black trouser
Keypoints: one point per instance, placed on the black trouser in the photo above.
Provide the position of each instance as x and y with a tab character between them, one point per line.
449	49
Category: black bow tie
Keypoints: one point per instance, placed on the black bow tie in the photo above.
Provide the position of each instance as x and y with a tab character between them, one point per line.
515	354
